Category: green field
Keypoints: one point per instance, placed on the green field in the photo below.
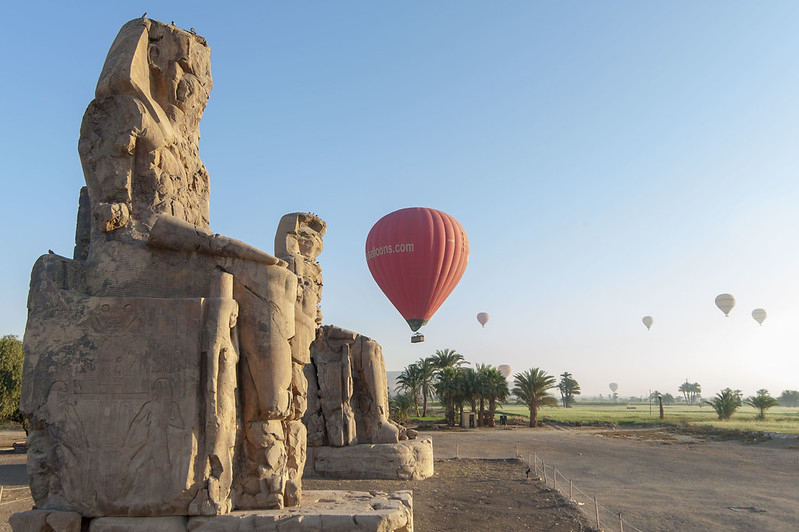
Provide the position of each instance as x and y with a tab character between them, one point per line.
778	419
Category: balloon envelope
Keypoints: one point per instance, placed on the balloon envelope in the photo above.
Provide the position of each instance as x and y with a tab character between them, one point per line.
759	315
648	320
613	386
483	318
725	302
417	256
504	369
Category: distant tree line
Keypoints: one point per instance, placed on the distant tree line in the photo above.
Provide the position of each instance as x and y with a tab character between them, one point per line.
482	389
789	398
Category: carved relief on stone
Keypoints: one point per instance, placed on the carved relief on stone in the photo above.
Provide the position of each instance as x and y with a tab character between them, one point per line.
111	393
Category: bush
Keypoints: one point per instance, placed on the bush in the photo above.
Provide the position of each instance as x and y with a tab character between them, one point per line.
11	358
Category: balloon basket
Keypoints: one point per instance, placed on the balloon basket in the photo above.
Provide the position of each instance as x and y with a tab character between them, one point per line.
416	338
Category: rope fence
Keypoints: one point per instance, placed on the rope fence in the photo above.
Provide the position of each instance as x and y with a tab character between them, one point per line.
601	518
9	490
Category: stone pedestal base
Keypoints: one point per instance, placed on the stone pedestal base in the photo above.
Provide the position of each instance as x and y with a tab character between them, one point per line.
406	460
331	511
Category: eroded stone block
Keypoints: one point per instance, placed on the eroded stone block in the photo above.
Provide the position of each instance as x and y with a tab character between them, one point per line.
347	391
405	460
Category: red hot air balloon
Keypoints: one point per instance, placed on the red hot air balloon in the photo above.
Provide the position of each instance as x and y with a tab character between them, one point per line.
483	318
417	256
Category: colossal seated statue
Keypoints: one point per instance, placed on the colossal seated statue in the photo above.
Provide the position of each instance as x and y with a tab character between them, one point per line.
164	363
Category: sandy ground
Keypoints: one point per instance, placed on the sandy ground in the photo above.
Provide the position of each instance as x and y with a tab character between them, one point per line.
13	478
658	480
476	495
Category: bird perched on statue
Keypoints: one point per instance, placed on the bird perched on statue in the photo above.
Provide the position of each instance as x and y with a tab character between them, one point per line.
145	15
191	30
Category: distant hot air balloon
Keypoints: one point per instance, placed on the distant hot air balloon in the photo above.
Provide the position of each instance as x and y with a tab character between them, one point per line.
648	320
483	318
613	387
725	302
505	370
759	315
417	256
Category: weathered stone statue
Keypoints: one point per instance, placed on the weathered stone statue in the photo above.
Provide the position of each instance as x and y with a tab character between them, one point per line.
348	394
138	339
163	379
349	432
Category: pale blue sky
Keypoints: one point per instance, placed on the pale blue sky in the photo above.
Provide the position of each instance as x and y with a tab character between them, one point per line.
608	160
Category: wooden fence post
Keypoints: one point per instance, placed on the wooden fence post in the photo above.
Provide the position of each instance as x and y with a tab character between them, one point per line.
555	478
544	467
621	523
596	510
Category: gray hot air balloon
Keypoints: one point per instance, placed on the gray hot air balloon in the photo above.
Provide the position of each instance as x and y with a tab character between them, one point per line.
504	369
613	387
759	315
725	302
648	321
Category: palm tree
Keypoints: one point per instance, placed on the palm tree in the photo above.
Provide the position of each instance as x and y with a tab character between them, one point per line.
409	381
726	402
399	405
447	387
427	373
568	387
762	401
531	388
691	391
447	358
482	377
469	388
495	390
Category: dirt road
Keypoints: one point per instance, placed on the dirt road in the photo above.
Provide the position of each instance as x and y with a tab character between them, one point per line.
658	480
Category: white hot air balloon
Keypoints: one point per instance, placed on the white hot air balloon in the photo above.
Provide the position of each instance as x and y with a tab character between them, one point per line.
648	321
613	387
759	315
504	369
725	303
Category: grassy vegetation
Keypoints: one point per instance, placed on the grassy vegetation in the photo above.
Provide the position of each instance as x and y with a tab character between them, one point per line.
778	419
